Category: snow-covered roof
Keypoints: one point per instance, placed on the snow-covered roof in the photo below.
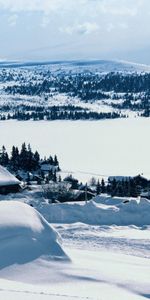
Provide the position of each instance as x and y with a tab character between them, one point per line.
6	178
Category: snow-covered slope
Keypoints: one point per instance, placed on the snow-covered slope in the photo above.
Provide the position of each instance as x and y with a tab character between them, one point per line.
25	235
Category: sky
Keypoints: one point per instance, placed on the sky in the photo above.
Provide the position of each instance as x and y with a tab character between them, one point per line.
75	29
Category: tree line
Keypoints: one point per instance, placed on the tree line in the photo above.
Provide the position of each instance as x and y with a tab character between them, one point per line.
25	159
55	113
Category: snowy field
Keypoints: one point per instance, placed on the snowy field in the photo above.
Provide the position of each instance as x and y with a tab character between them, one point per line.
88	148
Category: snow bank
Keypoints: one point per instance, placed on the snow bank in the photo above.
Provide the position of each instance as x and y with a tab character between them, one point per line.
25	235
6	178
101	211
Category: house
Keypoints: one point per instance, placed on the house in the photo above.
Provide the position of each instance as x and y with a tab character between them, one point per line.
8	182
145	195
46	168
119	178
142	181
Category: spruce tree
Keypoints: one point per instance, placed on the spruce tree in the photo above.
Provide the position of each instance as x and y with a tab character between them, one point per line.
4	159
103	188
98	188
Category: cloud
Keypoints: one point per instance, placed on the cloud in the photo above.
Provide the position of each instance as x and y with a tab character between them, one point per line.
45	21
34	5
12	20
114	7
108	26
84	28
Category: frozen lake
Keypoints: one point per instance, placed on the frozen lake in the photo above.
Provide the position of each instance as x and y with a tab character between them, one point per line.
108	147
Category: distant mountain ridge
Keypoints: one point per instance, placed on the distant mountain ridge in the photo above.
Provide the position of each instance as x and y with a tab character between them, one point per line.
102	66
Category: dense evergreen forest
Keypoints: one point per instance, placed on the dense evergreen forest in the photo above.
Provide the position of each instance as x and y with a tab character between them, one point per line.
86	86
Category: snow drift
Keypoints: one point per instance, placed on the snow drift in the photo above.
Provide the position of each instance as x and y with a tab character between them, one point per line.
25	235
100	211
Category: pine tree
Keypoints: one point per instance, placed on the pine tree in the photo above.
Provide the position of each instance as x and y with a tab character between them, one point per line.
55	161
98	188
54	176
51	161
15	159
114	187
23	157
4	159
103	188
37	157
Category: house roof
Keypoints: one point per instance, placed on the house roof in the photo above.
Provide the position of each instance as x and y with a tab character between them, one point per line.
6	178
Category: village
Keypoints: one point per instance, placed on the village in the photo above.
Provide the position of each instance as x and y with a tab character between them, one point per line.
26	171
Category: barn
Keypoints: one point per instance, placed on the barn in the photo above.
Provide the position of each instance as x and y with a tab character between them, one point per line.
8	182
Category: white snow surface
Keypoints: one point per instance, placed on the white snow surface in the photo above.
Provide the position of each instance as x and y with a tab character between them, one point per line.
99	263
94	275
25	235
6	178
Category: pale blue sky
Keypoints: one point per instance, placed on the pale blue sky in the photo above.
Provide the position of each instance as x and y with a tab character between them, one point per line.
75	29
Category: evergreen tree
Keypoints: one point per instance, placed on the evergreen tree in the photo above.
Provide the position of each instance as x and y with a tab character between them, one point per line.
23	157
50	174
51	161
103	188
114	187
55	161
98	188
54	176
4	159
15	159
37	157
